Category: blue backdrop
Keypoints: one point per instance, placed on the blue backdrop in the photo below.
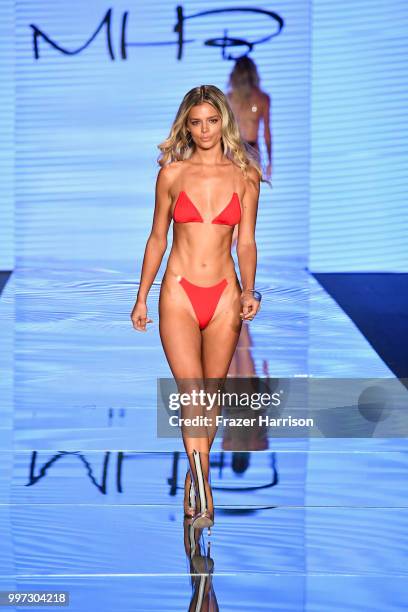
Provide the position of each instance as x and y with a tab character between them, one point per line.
80	127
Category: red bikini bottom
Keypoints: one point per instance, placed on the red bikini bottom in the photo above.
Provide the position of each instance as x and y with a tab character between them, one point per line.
203	299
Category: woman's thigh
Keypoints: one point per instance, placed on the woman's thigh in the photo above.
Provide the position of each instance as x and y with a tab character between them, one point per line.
220	337
180	335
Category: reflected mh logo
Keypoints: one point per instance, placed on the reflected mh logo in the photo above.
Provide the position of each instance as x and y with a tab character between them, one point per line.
273	21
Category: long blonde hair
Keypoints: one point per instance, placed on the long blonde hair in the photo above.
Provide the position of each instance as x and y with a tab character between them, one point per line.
179	144
244	78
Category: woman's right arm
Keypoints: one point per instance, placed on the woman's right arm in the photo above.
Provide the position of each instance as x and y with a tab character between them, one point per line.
155	248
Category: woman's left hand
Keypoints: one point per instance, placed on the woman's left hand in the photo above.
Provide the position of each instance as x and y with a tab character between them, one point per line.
249	306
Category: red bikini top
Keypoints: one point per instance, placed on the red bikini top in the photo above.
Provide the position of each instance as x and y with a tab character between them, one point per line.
186	212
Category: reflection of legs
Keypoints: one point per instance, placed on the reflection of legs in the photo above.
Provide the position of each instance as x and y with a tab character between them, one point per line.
201	570
242	363
219	342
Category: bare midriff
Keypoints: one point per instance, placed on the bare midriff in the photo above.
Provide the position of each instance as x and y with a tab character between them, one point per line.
201	252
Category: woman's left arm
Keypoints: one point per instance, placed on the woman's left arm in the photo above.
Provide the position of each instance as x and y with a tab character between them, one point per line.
246	245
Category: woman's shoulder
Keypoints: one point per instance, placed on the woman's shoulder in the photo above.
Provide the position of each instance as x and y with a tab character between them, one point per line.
252	179
250	173
170	170
169	174
259	95
265	98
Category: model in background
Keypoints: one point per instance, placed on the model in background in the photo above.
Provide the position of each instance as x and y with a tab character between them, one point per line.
250	106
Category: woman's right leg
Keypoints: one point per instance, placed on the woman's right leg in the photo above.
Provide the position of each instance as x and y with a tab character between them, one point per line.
181	340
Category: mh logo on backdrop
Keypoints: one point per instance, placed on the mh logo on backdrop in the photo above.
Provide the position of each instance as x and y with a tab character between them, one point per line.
273	26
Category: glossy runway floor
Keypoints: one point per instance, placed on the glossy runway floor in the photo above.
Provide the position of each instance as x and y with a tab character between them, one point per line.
91	499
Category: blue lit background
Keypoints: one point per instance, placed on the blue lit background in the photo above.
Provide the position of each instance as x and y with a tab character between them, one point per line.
86	128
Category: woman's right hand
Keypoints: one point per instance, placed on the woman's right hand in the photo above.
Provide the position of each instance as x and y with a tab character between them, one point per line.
139	316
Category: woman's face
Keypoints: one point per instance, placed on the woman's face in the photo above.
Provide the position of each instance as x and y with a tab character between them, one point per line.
204	123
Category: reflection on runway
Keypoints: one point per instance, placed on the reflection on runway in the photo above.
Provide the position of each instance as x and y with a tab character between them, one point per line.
201	568
74	518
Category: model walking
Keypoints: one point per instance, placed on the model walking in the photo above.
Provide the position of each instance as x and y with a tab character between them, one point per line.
207	184
250	105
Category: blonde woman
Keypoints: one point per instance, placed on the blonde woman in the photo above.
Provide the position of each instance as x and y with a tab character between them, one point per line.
250	105
207	184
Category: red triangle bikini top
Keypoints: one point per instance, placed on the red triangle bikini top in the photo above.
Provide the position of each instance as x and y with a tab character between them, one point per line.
186	212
